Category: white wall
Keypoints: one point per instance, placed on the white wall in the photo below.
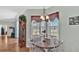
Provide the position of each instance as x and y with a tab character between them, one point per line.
69	33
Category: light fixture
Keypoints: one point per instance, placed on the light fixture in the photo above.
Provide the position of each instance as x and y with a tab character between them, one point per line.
44	17
47	17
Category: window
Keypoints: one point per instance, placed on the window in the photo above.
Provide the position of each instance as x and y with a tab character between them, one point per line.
35	27
39	27
53	26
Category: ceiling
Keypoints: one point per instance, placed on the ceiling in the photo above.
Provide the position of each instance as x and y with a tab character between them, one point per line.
10	12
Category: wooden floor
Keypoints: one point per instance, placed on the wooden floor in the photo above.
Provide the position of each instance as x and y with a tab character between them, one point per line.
10	45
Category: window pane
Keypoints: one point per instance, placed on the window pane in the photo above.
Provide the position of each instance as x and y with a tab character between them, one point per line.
35	28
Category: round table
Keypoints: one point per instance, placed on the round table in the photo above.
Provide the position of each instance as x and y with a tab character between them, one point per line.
48	47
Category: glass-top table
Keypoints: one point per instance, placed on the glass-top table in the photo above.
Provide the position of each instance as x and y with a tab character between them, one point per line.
46	47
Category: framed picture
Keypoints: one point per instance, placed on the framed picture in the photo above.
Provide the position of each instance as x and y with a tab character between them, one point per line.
74	20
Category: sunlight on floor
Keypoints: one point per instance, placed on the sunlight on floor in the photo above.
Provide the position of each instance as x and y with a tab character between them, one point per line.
10	45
